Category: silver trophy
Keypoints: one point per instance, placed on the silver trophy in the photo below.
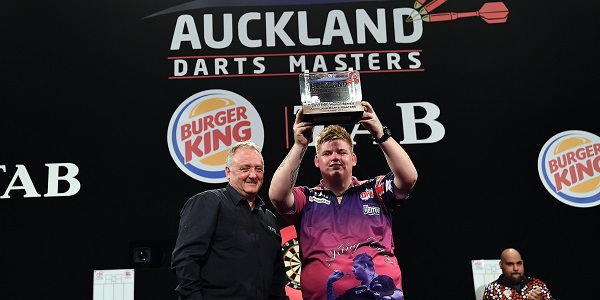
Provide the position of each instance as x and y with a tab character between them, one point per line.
331	97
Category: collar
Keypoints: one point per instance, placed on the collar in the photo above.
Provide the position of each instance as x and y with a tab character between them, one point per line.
518	286
355	182
237	198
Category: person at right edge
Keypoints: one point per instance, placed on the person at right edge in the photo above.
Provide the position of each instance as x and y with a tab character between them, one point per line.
512	283
342	216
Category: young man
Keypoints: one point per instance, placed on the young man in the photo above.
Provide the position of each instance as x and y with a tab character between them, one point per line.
513	284
342	216
229	245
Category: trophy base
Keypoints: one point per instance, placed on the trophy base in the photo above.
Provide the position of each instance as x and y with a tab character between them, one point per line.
327	113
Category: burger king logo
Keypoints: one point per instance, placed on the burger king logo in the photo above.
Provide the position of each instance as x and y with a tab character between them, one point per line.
205	126
569	167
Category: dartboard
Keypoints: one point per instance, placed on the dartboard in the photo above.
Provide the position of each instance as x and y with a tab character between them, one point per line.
292	262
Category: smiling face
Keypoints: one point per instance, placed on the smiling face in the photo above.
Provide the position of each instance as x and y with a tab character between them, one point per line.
335	159
245	172
335	153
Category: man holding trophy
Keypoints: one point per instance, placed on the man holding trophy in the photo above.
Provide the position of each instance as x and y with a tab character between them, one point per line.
342	216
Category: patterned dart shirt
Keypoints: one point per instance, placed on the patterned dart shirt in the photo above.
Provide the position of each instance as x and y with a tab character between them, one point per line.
500	289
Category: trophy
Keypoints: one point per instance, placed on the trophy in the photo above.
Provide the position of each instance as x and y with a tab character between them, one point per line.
331	97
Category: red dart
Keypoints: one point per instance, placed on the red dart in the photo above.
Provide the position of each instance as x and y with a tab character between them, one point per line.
491	12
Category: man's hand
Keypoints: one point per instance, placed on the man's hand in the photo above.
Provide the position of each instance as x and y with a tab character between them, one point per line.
303	131
535	294
335	276
370	121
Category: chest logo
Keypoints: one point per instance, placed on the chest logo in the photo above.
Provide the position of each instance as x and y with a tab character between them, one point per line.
367	194
371	210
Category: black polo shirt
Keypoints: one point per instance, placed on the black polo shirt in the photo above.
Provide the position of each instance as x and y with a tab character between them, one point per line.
224	250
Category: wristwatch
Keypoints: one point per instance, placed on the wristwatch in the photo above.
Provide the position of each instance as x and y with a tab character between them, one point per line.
386	135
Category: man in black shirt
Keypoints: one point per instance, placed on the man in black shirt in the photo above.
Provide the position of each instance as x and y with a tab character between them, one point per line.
229	245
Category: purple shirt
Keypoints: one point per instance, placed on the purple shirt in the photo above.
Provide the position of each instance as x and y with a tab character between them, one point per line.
331	234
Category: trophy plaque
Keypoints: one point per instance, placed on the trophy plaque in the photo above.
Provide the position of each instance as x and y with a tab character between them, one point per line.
331	97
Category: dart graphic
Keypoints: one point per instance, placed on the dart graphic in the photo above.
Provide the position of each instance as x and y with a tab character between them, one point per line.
419	3
491	13
429	7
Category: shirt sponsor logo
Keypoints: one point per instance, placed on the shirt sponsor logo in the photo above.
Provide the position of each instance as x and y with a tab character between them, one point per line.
366	195
319	200
371	210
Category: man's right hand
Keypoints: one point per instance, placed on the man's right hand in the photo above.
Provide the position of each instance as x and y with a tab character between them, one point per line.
303	131
536	294
335	276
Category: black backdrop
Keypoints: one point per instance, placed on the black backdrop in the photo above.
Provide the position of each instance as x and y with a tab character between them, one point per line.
91	84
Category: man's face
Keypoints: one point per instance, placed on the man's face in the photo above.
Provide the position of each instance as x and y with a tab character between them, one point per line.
335	158
246	173
359	271
512	268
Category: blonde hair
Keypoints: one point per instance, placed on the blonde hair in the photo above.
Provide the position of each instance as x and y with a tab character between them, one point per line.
332	133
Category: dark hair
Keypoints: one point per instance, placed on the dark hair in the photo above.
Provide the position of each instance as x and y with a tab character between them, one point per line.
364	258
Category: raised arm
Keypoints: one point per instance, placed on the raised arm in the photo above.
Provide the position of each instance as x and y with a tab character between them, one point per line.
405	173
284	179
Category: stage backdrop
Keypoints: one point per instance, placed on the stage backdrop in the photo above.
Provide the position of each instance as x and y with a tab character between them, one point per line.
108	128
